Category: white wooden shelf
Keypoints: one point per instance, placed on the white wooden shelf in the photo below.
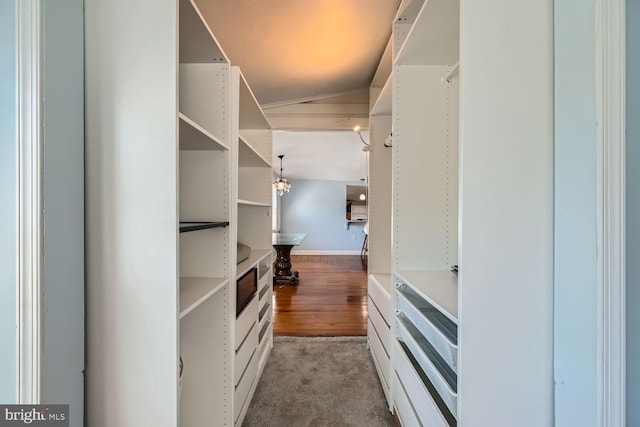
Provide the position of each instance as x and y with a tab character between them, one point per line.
383	103
384	67
197	42
248	156
251	115
252	203
256	256
434	37
195	137
195	290
438	287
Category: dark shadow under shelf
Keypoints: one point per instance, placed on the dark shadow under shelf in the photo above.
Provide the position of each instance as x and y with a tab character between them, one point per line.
195	226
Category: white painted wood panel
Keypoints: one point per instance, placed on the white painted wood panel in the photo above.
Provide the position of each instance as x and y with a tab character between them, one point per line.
379	215
380	355
204	97
245	321
439	287
404	409
195	137
425	214
413	385
205	253
254	227
205	352
416	345
244	353
204	177
382	328
245	387
132	212
379	290
506	220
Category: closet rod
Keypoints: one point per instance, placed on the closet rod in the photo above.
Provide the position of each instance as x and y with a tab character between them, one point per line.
451	73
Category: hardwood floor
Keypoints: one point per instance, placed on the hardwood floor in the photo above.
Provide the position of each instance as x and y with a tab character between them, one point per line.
329	300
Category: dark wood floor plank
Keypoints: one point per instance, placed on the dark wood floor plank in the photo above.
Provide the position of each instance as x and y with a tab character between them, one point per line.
329	300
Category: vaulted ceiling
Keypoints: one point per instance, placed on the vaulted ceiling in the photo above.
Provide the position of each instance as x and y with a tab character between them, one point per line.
310	64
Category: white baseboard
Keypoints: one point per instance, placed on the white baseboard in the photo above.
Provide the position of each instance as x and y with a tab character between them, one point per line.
312	252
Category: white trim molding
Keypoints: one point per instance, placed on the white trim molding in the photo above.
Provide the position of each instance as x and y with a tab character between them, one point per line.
610	60
29	251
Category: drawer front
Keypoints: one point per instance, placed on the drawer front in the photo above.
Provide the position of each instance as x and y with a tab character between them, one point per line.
243	354
266	295
444	347
379	354
449	396
265	314
265	281
244	386
425	407
246	319
403	406
381	327
381	299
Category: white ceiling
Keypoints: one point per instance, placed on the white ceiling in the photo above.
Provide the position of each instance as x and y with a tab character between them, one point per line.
300	49
310	64
333	155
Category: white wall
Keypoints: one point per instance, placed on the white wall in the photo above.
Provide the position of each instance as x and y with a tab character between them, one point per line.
8	185
318	208
506	214
633	212
63	266
575	250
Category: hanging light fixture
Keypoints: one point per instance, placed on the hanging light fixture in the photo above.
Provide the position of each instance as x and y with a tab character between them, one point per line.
281	185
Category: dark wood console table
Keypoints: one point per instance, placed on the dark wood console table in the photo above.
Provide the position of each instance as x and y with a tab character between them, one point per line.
283	243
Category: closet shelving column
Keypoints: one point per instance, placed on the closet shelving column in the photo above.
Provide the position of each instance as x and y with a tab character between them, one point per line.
206	287
425	213
379	217
251	157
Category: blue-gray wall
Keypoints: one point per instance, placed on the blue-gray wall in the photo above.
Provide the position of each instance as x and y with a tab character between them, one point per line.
633	212
575	251
63	266
318	208
8	144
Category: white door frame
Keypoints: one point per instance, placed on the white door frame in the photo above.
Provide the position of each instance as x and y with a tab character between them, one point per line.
29	250
610	77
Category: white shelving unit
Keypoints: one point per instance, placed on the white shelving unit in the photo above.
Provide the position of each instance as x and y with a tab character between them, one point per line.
186	175
413	295
424	228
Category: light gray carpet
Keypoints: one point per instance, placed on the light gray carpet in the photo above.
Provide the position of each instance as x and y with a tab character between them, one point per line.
319	382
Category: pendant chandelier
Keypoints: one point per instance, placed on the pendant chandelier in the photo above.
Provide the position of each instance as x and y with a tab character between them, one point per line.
281	185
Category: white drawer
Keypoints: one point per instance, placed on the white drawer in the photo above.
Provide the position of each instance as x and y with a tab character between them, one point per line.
381	298
381	327
243	354
265	346
246	319
403	406
265	329
439	330
266	295
244	386
425	407
265	281
426	358
265	314
380	355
